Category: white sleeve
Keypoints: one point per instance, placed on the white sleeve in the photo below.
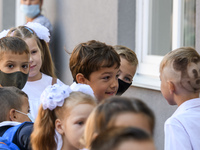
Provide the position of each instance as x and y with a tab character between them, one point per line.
176	137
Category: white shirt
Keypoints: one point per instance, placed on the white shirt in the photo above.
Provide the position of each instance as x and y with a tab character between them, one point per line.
182	129
34	89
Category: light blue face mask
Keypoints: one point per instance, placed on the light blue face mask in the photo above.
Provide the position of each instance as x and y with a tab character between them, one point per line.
28	114
30	11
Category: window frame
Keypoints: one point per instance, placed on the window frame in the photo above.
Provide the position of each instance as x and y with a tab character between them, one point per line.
147	75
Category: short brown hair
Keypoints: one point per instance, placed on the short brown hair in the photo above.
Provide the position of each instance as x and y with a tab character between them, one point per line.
10	97
127	54
14	44
91	56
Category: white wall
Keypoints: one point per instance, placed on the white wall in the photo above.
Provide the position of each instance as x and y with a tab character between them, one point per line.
1	12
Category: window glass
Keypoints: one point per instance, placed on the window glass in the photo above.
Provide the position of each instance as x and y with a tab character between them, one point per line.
160	27
189	23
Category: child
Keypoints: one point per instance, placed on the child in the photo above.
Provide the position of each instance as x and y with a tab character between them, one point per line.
42	71
96	64
14	110
118	111
63	110
123	138
14	62
128	67
180	78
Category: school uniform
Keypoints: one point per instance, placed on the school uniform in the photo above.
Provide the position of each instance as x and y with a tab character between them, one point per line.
34	89
22	135
182	129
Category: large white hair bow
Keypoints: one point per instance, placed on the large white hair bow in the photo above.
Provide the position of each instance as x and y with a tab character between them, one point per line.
4	33
84	88
54	95
41	31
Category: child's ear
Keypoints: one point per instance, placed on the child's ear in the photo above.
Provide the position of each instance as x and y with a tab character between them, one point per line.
171	87
59	126
13	116
81	79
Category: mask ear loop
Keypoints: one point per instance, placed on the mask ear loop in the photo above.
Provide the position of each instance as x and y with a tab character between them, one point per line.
28	115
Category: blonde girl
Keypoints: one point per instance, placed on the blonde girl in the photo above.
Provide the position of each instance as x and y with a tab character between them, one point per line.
118	111
66	112
42	70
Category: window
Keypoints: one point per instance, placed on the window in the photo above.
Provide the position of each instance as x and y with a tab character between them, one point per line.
161	26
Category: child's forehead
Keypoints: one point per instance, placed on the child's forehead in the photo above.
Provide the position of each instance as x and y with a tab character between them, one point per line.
25	100
105	69
12	56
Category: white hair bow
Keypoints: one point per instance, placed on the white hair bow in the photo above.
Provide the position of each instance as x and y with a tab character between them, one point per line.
4	33
54	95
41	31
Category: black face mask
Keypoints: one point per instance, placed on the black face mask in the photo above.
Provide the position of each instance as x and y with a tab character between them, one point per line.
17	79
123	86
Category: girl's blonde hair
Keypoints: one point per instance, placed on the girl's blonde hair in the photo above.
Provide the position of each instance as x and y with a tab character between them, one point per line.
24	32
42	137
103	116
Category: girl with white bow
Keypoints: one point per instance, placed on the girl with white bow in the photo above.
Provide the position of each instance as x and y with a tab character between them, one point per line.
42	70
64	110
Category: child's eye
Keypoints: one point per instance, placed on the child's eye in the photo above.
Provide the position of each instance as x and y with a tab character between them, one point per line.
106	78
80	122
127	79
34	51
25	66
10	66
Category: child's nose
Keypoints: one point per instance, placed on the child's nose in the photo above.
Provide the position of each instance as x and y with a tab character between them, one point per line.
30	60
114	83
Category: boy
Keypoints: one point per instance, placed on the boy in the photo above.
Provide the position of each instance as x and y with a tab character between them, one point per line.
180	85
128	67
14	110
96	64
14	62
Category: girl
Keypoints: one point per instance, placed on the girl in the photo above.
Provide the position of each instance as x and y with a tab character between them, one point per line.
42	70
118	111
65	111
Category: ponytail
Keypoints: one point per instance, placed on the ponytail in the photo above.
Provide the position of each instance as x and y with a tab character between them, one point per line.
42	137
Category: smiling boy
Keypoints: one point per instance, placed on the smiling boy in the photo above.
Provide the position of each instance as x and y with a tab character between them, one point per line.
96	64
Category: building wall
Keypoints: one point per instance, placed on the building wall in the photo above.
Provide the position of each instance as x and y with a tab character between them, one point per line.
7	14
1	13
